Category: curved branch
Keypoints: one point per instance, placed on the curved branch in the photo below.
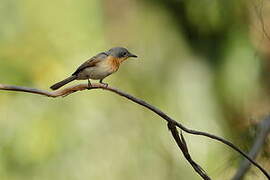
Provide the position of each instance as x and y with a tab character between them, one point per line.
183	146
80	87
263	132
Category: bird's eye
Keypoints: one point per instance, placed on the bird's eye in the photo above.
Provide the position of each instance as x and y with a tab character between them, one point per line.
124	54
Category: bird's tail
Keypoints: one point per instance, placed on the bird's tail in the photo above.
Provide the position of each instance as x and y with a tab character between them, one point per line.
62	83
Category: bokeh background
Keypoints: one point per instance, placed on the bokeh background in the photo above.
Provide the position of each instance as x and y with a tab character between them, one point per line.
205	63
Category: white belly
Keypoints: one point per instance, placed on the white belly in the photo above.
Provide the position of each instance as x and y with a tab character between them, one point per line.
100	71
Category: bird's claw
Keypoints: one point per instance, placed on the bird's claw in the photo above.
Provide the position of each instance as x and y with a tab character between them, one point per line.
89	85
105	84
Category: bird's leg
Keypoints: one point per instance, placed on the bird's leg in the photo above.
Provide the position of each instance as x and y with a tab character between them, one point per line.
89	84
100	81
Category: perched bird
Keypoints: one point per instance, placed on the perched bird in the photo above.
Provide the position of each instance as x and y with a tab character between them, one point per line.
98	67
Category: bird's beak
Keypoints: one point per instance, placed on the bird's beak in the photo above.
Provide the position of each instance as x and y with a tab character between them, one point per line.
132	55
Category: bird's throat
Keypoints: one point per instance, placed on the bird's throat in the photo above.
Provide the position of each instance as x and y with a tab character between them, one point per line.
114	63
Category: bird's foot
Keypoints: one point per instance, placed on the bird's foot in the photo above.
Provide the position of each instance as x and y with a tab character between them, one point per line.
89	84
105	84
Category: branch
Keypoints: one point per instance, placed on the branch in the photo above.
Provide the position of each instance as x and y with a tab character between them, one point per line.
183	147
80	87
264	130
259	12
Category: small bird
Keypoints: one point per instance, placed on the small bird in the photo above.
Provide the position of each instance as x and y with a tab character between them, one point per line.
98	67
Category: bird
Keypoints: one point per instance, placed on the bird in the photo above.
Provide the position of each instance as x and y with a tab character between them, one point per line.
98	67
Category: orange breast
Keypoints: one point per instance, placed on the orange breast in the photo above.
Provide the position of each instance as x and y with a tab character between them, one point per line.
114	63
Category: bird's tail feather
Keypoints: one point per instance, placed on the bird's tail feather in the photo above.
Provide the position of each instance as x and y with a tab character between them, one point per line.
62	83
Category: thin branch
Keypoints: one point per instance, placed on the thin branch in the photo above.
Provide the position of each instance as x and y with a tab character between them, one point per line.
264	130
183	147
260	16
80	87
258	9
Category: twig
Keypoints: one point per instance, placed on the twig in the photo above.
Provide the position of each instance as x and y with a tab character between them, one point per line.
80	87
183	147
260	16
263	132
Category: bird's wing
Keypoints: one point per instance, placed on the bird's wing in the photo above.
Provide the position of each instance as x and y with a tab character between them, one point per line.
91	62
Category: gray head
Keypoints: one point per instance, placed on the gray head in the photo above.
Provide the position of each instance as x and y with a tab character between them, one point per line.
120	52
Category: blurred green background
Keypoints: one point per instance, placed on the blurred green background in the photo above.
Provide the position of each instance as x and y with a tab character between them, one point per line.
205	63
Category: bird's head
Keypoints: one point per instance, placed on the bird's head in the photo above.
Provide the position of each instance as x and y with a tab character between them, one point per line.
120	53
